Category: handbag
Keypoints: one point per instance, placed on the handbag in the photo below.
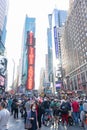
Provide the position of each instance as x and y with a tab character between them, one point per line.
28	123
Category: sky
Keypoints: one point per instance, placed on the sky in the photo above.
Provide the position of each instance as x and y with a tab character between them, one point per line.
17	11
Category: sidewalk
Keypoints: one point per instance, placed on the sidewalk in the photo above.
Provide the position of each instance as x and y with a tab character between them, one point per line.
18	124
15	124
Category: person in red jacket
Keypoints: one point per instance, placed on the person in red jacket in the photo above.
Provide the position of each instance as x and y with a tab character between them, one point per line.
75	108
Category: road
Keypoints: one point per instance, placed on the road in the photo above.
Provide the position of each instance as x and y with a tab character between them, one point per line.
17	124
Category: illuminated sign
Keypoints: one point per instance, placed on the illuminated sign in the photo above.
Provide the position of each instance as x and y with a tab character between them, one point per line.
31	61
30	38
3	65
30	83
31	55
2	80
56	42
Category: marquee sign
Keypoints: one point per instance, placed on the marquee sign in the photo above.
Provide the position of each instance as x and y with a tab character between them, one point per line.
31	61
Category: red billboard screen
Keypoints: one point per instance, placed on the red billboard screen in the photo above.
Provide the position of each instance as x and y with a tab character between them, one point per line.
30	81
31	60
30	38
31	55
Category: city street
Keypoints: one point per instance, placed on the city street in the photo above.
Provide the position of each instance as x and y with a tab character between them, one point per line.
43	64
17	124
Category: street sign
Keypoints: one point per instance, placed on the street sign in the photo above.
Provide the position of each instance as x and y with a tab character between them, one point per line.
46	84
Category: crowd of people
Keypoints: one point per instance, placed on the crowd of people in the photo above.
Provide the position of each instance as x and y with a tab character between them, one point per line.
32	110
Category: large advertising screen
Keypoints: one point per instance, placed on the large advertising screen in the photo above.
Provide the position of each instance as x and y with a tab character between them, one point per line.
30	38
3	65
3	71
30	81
31	55
31	62
2	81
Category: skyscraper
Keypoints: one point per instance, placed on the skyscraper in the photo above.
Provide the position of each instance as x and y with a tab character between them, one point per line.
50	50
28	53
58	21
74	46
3	59
3	17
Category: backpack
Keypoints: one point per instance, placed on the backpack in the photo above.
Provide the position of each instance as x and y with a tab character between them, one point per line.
42	109
85	116
64	107
69	106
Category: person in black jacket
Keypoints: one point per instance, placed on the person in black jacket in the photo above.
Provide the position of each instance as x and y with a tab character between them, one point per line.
40	113
12	107
64	110
16	105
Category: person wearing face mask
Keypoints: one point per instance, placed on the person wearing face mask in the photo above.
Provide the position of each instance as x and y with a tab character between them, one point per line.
33	117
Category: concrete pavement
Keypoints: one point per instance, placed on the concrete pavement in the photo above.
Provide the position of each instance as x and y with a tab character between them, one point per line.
17	124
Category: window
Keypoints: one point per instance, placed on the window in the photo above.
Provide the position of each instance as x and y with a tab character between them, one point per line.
86	33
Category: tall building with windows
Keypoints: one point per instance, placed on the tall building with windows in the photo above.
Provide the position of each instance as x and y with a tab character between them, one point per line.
3	6
28	54
42	79
50	49
50	54
58	21
3	21
74	47
3	59
3	38
70	5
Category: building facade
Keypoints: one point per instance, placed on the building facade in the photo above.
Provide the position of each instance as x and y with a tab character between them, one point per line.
3	59
28	54
42	80
58	20
3	73
50	48
3	21
50	53
74	47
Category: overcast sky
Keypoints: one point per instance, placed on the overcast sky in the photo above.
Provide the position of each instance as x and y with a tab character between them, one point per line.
16	18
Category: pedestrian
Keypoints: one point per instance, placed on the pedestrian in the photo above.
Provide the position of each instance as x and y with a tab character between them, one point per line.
16	108
75	108
28	104
32	117
39	114
82	113
64	110
12	107
9	104
4	117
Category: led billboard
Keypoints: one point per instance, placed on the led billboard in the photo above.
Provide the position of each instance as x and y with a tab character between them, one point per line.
2	81
30	81
31	55
3	65
30	38
31	61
